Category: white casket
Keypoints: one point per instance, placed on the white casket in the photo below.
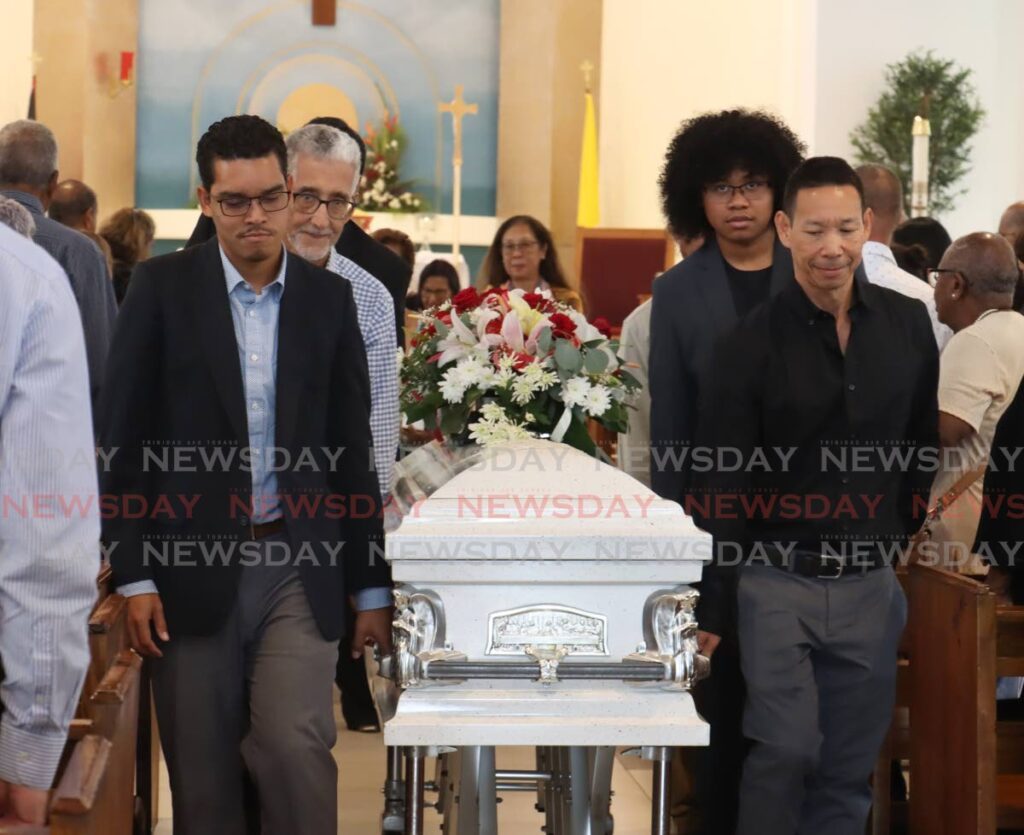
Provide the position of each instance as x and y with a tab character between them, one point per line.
542	599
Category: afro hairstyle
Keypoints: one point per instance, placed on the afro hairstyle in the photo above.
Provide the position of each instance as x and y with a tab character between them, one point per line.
710	146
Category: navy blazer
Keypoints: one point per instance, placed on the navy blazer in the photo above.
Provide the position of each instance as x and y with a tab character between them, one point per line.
692	309
175	382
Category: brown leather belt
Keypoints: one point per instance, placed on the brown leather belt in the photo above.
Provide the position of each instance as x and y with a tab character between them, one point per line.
265	529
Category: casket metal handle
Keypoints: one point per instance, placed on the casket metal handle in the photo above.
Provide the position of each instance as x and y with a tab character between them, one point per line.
669	653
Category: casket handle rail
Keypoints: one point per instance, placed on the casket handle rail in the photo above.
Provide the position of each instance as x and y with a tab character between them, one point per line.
669	653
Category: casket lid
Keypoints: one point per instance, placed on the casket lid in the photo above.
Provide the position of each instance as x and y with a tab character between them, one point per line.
541	500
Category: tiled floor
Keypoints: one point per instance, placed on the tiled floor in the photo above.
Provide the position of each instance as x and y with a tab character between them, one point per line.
361	778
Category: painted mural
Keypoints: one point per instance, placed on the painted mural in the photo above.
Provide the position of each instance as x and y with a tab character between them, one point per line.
201	60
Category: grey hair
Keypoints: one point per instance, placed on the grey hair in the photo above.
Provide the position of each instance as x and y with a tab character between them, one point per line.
987	260
20	219
28	153
324	142
995	282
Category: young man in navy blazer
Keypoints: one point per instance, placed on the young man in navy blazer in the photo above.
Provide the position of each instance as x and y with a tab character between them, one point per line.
238	407
723	178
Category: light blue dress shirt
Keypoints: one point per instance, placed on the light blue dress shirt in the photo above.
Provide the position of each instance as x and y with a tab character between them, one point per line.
50	528
255	317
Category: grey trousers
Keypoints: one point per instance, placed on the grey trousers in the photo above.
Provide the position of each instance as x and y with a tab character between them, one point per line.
256	697
819	659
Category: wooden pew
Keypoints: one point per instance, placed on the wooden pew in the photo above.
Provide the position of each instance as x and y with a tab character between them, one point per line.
97	785
968	768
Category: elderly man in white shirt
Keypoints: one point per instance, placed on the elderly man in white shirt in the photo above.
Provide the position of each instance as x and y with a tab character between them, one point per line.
883	194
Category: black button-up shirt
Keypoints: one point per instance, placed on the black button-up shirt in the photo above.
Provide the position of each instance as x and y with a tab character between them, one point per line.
826	449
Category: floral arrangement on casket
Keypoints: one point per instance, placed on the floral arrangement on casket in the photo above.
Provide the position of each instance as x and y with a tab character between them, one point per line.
507	365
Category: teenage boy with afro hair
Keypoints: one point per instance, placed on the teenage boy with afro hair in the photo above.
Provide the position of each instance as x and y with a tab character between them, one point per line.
723	178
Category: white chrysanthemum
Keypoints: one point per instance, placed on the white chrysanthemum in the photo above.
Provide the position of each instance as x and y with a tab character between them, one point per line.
452	388
469	371
530	380
597	401
493	412
477	371
495	427
575	391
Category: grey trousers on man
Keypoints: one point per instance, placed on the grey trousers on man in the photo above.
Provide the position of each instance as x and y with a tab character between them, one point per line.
819	659
257	697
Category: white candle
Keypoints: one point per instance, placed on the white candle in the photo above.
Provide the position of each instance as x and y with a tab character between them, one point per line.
919	167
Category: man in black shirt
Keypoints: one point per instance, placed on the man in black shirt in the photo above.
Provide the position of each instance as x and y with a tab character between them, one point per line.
836	378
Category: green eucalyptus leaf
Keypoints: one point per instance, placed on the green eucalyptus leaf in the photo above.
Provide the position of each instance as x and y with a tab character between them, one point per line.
544	341
568	357
595	362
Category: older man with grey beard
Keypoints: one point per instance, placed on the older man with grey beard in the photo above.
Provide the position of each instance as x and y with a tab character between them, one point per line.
324	165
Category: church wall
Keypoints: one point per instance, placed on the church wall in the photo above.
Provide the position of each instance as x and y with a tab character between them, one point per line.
540	125
683	57
819	65
15	60
79	94
855	42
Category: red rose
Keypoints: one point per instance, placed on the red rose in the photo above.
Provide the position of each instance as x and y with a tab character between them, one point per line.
604	326
535	300
494	326
562	326
466	300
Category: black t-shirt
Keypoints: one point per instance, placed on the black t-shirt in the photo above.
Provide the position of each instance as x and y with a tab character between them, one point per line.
748	287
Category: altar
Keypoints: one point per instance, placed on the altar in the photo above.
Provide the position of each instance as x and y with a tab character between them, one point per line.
542	599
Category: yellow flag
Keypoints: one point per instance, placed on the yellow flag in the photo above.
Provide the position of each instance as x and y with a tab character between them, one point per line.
588	210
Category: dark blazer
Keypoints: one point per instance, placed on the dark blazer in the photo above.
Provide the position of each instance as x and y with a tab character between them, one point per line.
691	310
176	384
1001	527
356	245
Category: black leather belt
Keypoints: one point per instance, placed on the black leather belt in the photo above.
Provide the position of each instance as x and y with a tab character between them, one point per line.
824	566
265	529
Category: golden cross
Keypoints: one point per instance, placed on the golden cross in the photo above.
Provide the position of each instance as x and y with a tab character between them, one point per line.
587	69
458	108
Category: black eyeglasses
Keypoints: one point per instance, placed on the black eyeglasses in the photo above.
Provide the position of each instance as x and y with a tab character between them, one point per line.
338	208
723	192
237	206
935	274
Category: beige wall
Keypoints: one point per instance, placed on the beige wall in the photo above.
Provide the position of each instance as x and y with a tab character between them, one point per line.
15	59
680	58
75	96
540	121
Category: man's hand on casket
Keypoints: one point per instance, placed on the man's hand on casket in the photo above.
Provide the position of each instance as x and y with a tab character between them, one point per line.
707	642
373	626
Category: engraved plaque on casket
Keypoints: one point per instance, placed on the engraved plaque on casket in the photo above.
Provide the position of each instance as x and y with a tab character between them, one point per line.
578	632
